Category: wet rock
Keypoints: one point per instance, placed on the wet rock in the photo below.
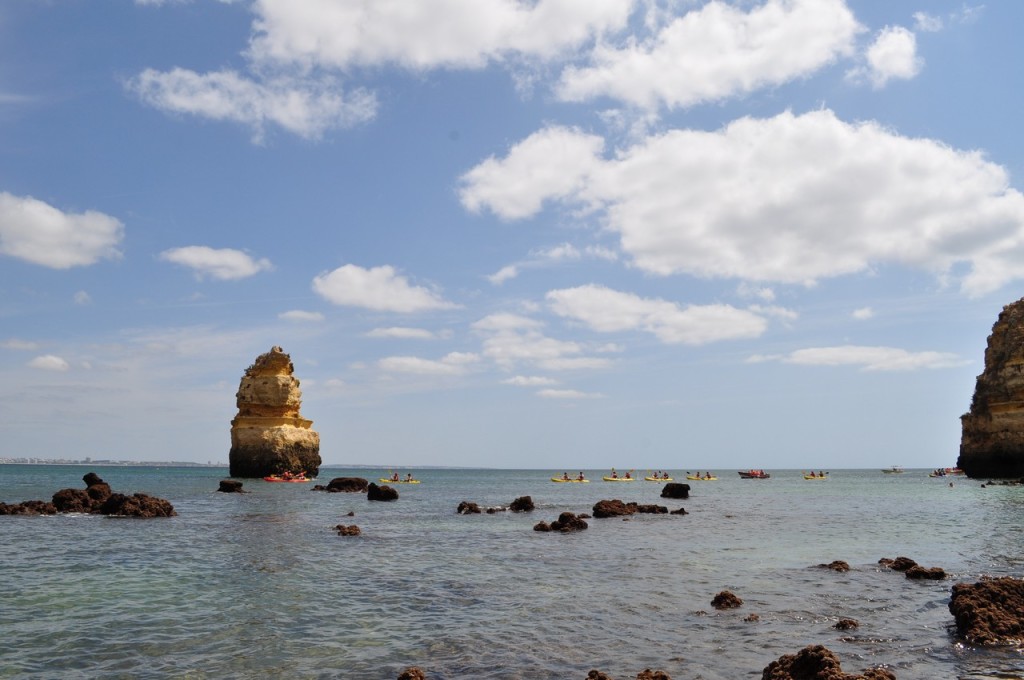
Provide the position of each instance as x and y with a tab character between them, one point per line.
836	565
72	500
496	508
675	490
989	612
345	485
412	673
816	662
568	522
350	530
542	526
350	513
680	511
613	508
648	674
136	505
28	508
597	675
230	486
522	504
726	600
846	624
898	564
652	509
926	573
467	508
381	493
751	618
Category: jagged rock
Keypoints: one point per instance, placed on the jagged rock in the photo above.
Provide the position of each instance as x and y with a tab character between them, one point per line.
539	526
676	490
836	565
680	511
380	493
846	624
597	675
726	600
613	508
467	508
350	530
752	618
898	564
72	500
269	436
567	522
989	612
926	573
816	662
412	673
496	508
95	499
992	439
230	486
648	674
344	485
652	509
522	504
136	505
28	508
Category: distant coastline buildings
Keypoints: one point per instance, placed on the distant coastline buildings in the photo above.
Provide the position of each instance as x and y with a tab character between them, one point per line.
105	461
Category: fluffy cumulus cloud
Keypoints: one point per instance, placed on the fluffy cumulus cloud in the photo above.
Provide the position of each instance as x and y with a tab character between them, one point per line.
893	55
716	52
427	33
452	364
403	333
606	310
568	394
299	105
529	381
867	358
224	264
301	316
511	340
49	362
39	233
787	199
378	288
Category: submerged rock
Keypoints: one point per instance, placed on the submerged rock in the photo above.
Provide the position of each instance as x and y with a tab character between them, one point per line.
230	486
467	508
676	490
522	504
269	436
350	530
726	600
992	437
344	485
816	662
836	565
613	508
990	612
412	673
95	499
380	493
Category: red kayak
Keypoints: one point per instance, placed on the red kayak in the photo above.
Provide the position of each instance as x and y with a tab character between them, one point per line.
275	478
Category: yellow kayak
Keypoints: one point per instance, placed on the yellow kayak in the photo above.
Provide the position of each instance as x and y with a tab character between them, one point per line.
702	479
400	481
657	479
578	481
619	479
815	476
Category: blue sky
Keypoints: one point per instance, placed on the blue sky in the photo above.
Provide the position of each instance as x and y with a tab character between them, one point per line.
559	234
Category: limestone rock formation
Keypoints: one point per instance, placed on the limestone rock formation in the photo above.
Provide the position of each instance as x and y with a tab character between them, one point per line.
992	443
269	435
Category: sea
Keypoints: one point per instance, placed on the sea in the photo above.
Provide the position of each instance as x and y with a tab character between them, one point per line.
260	585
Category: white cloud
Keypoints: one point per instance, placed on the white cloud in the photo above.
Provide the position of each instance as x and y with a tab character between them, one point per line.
774	310
402	333
747	289
15	343
568	394
426	34
716	52
305	107
504	274
863	313
379	288
789	199
82	298
607	310
868	358
550	164
927	23
36	232
529	381
510	339
225	264
455	363
893	55
550	257
301	316
49	362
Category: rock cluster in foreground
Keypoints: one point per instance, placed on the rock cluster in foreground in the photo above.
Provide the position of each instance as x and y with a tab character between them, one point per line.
95	499
269	436
992	439
816	662
990	612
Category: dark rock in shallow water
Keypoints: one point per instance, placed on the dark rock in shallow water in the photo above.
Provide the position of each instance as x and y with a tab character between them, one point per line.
381	493
350	530
726	600
676	490
989	612
412	673
568	522
28	508
926	573
522	504
72	500
542	526
648	674
136	505
345	485
467	508
816	662
230	486
95	499
846	624
680	511
898	564
613	508
597	675
836	565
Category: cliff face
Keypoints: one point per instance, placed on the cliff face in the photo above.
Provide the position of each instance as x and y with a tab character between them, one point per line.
269	435
992	444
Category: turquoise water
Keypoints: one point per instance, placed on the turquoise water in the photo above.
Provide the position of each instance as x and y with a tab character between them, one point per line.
259	585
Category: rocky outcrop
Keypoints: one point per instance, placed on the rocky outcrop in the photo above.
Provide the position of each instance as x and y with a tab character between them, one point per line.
836	565
990	612
95	499
344	485
522	504
675	490
992	439
816	662
347	530
381	493
566	523
468	508
269	436
726	600
231	486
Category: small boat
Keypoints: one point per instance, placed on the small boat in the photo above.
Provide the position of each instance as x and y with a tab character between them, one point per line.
706	478
753	474
619	479
384	480
657	479
814	476
894	470
946	472
279	478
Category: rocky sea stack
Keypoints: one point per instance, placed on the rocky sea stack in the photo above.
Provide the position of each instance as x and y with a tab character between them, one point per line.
992	443
269	435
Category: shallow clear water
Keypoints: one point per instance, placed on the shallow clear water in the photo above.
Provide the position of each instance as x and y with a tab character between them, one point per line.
259	585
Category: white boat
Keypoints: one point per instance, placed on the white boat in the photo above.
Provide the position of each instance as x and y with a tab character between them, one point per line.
894	470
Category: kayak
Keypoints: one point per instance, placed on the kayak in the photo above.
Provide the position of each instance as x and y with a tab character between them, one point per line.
815	476
400	481
695	478
619	479
578	481
657	479
275	478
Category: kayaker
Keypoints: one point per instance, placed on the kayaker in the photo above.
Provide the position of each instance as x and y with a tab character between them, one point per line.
627	475
408	477
580	478
394	477
615	475
565	476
